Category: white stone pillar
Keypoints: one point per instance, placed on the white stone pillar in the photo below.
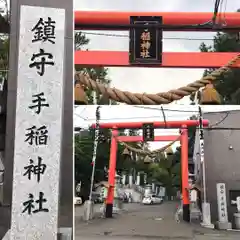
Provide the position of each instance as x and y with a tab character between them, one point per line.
138	180
123	179
130	177
222	207
44	87
153	187
145	178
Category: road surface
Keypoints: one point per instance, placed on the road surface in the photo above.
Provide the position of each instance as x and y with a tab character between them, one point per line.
137	222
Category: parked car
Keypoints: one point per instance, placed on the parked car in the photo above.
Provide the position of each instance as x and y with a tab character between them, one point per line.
152	199
78	201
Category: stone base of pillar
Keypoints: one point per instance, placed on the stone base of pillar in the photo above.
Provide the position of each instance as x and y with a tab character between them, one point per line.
210	226
206	216
63	234
237	220
88	210
223	225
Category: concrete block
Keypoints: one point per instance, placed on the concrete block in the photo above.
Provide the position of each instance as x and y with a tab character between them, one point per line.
88	210
65	234
223	225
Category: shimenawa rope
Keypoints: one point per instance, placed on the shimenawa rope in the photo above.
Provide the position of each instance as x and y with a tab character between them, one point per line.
151	153
152	99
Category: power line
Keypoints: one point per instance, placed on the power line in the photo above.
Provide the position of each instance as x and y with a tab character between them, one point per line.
208	26
128	118
183	111
148	117
166	109
78	115
127	36
210	128
224	118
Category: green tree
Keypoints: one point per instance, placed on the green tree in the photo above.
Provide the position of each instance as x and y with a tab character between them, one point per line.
84	143
98	73
228	85
167	171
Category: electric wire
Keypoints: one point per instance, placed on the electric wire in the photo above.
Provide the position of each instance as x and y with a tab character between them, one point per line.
127	36
208	26
215	12
164	117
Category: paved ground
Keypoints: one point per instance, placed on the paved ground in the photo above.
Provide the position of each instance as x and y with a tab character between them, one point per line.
145	222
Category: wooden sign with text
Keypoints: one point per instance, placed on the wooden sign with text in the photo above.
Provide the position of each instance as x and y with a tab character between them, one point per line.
145	43
148	132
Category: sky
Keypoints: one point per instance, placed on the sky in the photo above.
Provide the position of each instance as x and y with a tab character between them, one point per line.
158	79
84	116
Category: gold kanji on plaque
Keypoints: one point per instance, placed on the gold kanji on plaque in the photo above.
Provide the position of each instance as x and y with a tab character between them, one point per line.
145	36
145	53
145	44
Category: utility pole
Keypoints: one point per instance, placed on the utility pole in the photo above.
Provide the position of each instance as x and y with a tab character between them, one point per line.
89	204
206	219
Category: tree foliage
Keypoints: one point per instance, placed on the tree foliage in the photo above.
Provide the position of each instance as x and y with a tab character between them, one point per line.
165	168
228	84
97	73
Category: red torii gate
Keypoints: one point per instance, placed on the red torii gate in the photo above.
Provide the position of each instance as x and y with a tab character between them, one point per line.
169	59
183	124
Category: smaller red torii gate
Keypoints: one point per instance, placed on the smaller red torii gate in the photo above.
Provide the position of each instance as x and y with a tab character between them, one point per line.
183	124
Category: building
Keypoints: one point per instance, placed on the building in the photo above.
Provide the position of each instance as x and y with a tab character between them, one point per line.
222	159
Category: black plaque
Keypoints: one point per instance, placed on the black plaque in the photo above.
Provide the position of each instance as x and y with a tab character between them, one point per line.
145	43
148	132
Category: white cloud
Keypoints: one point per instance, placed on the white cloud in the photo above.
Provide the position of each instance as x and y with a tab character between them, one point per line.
145	79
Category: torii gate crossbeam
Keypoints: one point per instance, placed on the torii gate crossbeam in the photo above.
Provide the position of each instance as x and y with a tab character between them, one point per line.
231	19
157	124
85	20
169	59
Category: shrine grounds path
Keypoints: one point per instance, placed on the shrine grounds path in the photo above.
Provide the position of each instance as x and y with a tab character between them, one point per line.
137	222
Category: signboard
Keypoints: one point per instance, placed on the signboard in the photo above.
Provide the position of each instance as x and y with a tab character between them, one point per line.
222	202
148	132
238	204
193	195
145	43
38	123
233	194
